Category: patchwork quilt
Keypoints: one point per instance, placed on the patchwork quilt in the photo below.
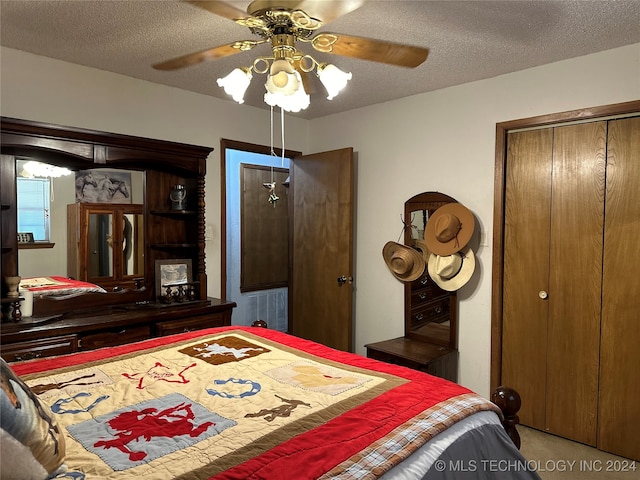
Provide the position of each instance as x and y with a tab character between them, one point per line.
240	403
58	286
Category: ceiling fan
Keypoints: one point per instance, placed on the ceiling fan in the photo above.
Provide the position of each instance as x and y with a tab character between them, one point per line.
283	23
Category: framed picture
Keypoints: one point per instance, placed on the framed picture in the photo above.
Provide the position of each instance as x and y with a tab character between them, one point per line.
103	186
26	237
170	274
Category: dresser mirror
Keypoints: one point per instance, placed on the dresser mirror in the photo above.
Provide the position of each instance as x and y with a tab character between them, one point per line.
113	226
430	312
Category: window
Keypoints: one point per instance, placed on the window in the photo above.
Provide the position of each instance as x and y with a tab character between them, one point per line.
34	207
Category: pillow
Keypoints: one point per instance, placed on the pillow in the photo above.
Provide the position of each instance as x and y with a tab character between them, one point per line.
32	444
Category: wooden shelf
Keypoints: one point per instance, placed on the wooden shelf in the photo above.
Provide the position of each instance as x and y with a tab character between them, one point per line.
173	245
173	213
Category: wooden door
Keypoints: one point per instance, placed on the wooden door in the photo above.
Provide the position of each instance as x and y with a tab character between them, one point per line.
619	406
552	275
321	202
526	270
575	260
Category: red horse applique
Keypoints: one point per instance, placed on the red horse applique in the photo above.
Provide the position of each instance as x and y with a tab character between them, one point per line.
150	423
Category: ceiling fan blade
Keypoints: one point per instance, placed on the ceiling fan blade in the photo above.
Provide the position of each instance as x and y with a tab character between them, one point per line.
209	54
220	8
328	11
370	49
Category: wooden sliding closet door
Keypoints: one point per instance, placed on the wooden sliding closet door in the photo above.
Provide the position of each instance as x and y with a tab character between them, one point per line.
619	407
577	221
554	214
526	270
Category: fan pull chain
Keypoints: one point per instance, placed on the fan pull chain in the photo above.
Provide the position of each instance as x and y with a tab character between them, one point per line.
282	132
271	186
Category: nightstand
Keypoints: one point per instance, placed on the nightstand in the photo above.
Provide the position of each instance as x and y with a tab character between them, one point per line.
427	357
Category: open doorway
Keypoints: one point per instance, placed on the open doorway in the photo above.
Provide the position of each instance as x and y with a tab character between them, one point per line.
253	302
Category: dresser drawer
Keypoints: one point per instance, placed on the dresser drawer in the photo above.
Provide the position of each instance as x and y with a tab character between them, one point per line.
190	324
435	311
424	295
394	359
426	284
15	352
111	338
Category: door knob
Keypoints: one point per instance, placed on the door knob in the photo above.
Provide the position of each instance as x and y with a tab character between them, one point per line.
543	295
342	280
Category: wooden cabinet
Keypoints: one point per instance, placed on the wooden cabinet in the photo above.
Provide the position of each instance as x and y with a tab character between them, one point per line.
105	244
130	239
167	233
570	298
430	317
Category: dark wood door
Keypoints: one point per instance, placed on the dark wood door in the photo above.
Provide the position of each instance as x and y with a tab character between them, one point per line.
321	249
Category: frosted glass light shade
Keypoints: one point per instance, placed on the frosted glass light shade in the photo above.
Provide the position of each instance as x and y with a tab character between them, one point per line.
236	83
298	100
282	78
333	79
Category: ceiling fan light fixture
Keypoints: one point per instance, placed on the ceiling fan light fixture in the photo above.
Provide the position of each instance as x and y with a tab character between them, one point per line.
236	83
294	102
33	169
333	79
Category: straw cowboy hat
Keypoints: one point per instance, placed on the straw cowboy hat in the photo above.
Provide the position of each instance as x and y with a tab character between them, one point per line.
449	229
451	272
406	263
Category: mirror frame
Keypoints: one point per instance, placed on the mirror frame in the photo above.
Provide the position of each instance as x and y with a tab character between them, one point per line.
430	202
165	162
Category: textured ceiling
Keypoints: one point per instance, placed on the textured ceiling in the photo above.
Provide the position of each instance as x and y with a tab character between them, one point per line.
468	41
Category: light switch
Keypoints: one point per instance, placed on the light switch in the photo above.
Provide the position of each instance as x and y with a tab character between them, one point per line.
208	232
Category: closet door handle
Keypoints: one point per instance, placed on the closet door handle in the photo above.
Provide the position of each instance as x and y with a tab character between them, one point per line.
543	295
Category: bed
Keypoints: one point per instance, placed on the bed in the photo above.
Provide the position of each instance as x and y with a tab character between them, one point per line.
245	403
58	286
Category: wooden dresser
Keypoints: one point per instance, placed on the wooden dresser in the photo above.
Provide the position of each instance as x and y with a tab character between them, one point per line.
90	328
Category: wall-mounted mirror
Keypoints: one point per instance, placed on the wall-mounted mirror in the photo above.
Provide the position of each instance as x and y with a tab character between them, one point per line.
430	312
100	238
42	198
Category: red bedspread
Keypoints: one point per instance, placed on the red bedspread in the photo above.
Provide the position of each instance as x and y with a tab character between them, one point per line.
404	407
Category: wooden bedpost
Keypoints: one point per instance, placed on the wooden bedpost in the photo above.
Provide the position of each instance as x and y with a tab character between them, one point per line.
508	400
259	323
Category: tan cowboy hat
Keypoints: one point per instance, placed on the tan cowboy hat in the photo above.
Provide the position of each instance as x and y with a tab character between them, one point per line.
451	272
449	229
406	263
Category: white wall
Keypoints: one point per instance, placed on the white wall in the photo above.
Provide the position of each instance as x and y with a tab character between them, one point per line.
445	141
442	141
